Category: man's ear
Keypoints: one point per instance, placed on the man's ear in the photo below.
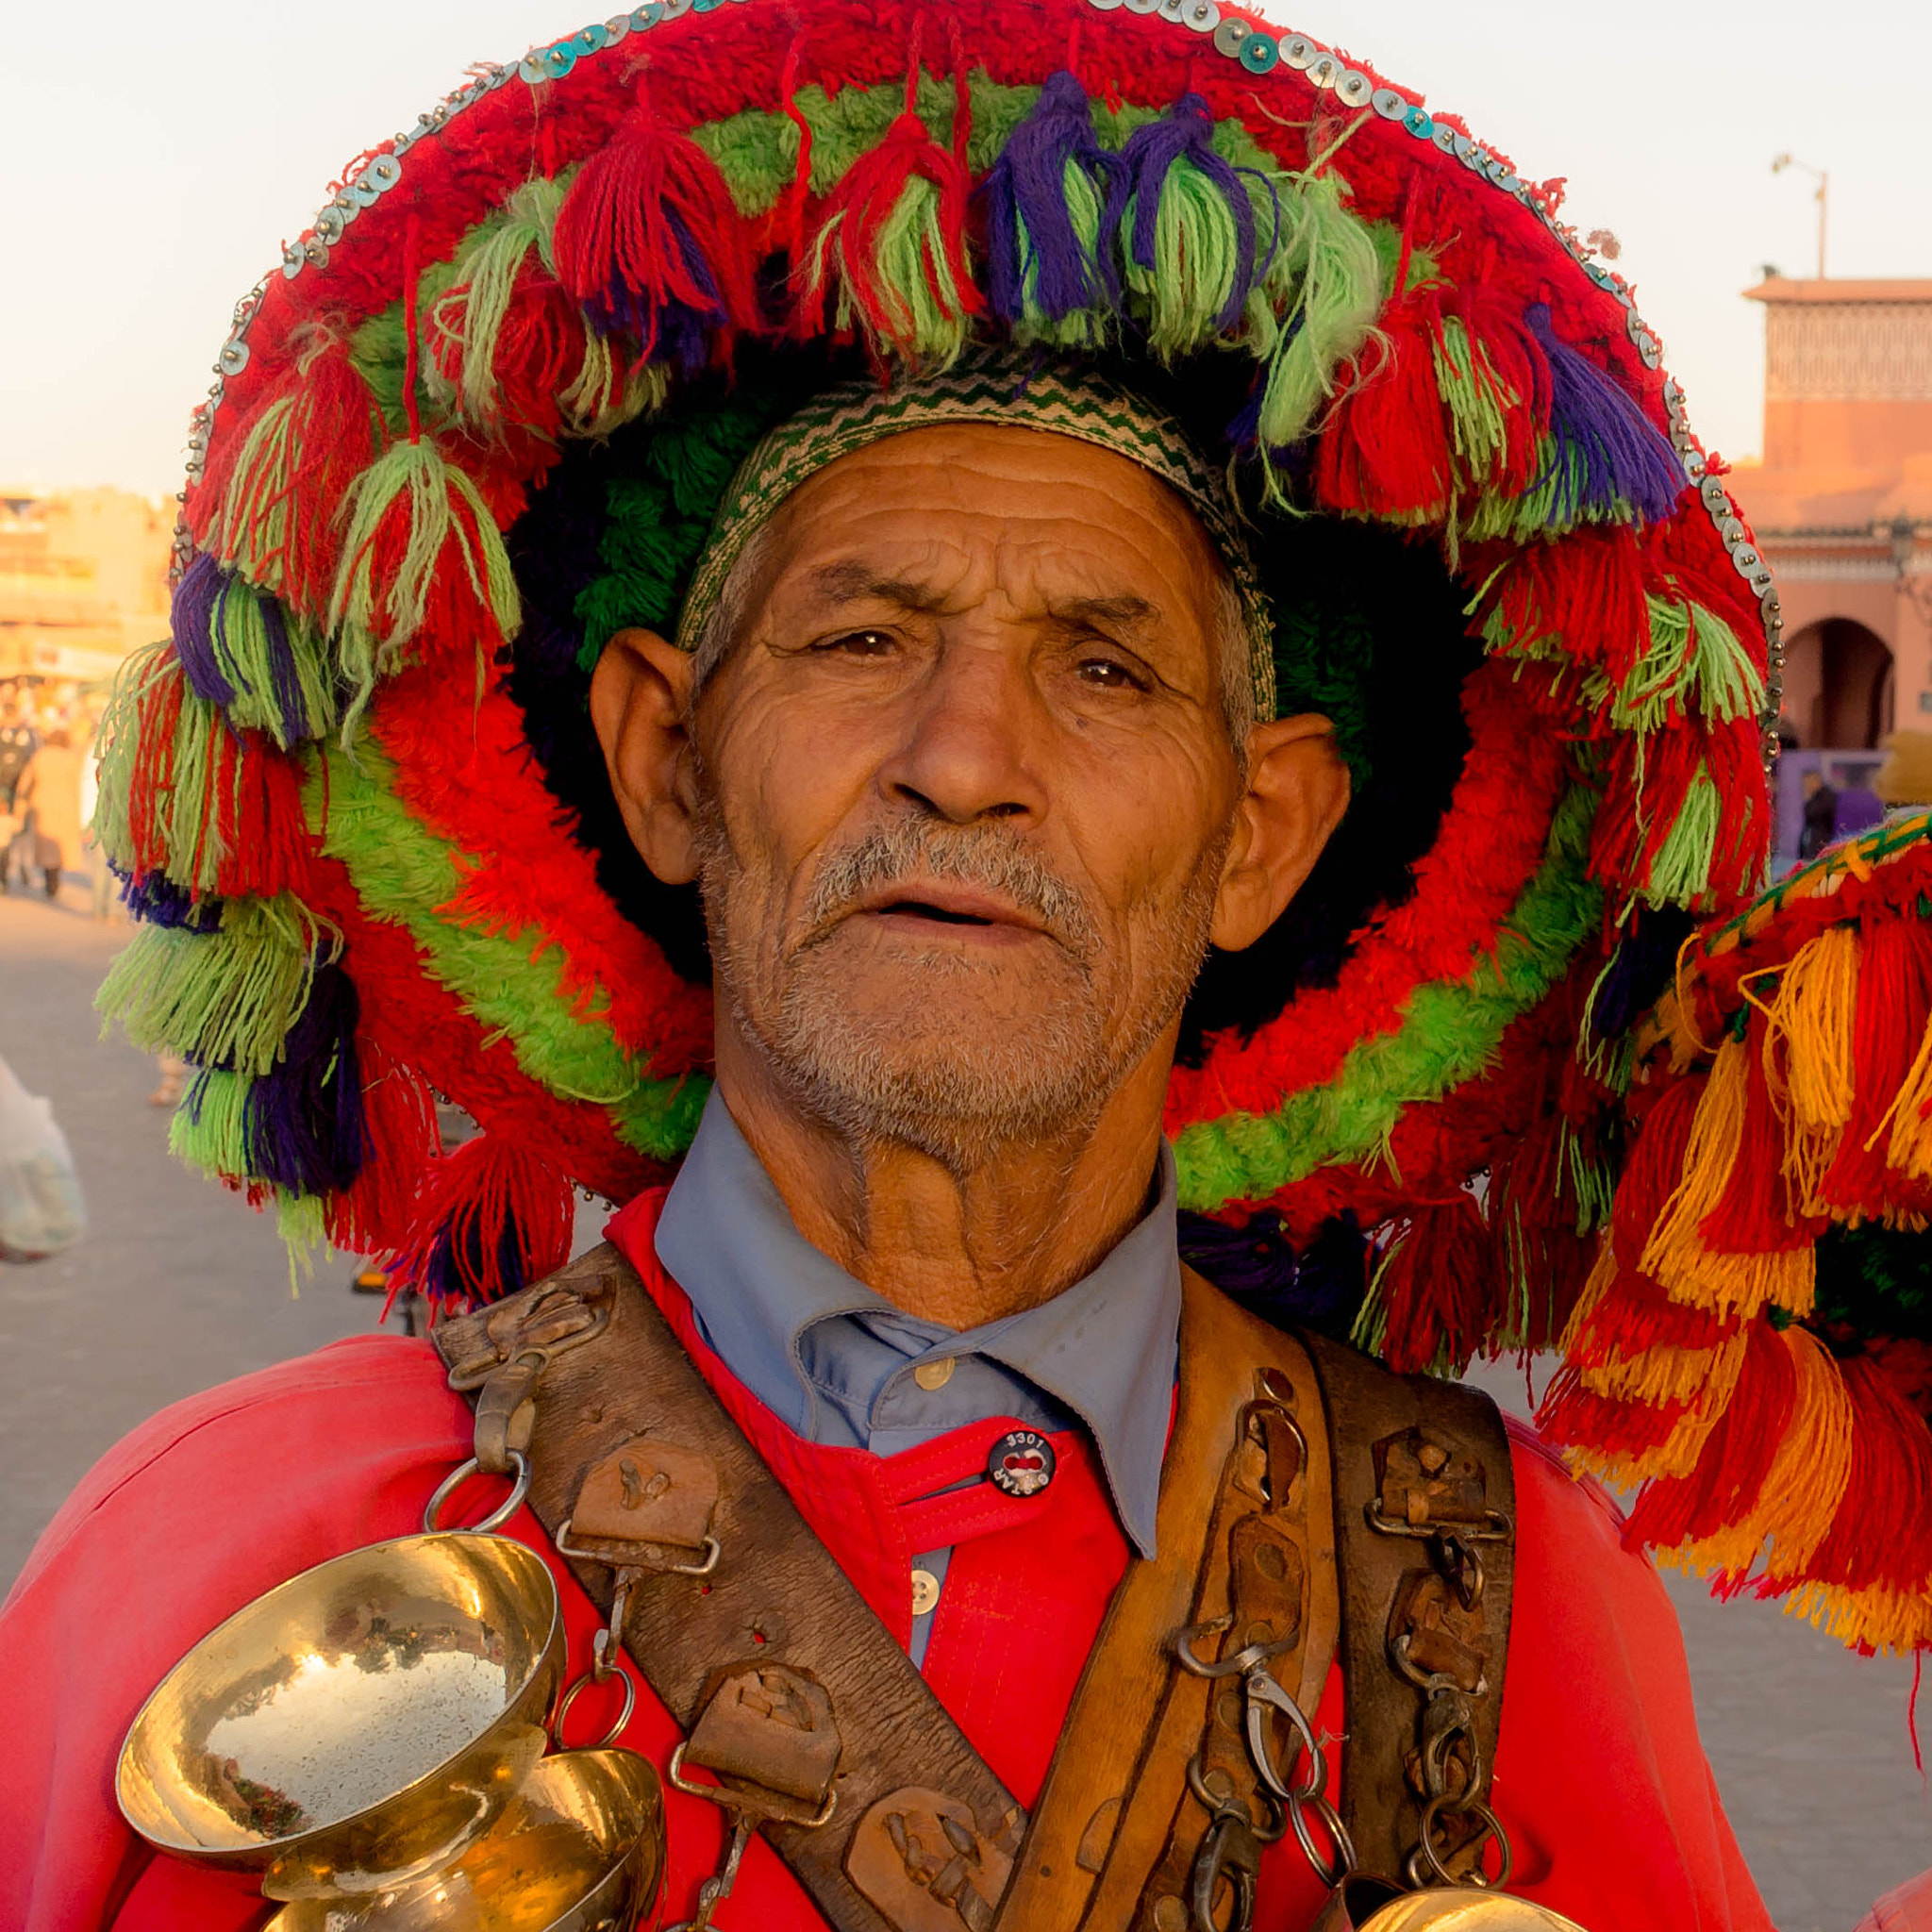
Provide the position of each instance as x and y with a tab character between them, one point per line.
1297	792
639	698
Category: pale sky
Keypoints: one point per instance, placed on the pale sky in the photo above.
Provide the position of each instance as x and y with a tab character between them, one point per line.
155	155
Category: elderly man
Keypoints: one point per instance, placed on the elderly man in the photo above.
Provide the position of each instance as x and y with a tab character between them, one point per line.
1165	717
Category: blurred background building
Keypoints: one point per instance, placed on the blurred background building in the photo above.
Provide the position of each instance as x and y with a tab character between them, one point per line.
1841	508
83	581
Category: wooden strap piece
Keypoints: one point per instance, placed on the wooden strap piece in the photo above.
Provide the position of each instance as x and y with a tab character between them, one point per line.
775	1599
1415	1455
1116	1801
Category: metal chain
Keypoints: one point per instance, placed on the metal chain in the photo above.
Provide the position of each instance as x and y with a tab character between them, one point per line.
1304	1801
1453	1773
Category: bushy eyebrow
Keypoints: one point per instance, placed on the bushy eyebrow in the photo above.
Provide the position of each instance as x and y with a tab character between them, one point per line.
855	582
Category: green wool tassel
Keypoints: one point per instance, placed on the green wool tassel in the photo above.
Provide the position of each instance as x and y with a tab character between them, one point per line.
422	553
1478	401
1335	279
468	322
225	998
167	757
208	1129
1680	874
1695	665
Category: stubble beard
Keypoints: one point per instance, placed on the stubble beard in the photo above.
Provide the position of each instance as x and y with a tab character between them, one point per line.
910	1074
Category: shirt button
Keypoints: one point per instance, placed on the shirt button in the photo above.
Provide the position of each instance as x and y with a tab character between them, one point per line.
931	1375
925	1592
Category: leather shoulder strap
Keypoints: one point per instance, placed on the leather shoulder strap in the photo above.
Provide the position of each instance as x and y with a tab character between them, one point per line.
1425	1507
1236	1506
776	1600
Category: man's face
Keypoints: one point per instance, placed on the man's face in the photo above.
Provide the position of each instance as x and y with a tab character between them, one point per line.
967	785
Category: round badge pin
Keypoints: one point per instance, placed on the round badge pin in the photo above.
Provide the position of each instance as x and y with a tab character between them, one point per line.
1020	1463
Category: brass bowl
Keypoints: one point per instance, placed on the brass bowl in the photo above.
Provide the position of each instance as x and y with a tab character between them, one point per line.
580	1850
357	1725
1467	1911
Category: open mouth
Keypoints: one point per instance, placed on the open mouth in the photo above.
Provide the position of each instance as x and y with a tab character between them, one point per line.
924	908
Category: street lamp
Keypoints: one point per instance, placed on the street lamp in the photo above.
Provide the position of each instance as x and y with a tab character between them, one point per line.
1784	161
1904	534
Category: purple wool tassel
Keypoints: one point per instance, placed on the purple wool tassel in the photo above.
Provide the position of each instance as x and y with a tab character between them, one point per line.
1029	227
1624	458
664	325
156	898
1185	133
302	1123
192	618
1322	1287
283	679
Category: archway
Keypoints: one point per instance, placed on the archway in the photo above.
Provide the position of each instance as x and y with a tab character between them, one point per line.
1838	685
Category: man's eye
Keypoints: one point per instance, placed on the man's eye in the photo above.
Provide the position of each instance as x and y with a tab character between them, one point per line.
858	644
1110	673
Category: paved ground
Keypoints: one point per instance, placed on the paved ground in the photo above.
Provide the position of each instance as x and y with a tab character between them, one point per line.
178	1286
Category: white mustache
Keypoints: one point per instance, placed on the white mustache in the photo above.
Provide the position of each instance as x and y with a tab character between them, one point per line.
967	856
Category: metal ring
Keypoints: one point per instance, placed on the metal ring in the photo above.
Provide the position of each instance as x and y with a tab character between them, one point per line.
519	1489
570	1697
1425	1852
1331	1871
1214	1805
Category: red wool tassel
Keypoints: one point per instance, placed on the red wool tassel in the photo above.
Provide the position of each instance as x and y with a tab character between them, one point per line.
1437	1286
1882	1532
1894	999
1757	1214
1385	448
1736	1458
845	257
538	354
269	503
1521	388
264	833
1652	1172
1580	1418
492	1218
1582	597
400	1142
650	239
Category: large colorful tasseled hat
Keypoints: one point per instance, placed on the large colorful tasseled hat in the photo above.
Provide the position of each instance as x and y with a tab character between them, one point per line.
1755	1342
482	416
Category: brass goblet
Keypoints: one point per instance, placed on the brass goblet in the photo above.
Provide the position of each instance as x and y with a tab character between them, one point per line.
358	1726
580	1850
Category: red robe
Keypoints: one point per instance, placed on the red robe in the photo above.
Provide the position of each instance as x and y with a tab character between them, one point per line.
1599	1777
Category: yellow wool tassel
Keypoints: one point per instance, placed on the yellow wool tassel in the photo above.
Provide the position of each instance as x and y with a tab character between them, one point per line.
1805	1484
1910	1148
1812	1019
1596	1287
1883	1619
1676	1254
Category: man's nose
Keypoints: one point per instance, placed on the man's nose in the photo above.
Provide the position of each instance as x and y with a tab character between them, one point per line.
972	740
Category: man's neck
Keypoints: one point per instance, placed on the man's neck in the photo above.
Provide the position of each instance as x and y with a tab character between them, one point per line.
958	1248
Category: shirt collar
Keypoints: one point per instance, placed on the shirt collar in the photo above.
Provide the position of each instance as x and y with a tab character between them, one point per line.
1104	1348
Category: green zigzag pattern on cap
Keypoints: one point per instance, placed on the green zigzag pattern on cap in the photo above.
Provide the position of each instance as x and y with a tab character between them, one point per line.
1449	1032
404	873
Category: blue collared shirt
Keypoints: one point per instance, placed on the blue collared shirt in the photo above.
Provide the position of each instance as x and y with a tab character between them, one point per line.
836	1362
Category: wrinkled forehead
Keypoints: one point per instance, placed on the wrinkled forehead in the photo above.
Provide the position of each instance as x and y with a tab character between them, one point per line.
1049	516
983	390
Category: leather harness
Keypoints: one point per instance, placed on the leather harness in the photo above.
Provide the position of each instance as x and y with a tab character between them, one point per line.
1309	1498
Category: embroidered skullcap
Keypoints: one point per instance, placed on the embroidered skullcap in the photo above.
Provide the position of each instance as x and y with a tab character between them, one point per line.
996	386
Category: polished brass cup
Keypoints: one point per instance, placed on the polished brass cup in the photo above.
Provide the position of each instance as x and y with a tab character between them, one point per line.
1366	1905
357	1728
580	1849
